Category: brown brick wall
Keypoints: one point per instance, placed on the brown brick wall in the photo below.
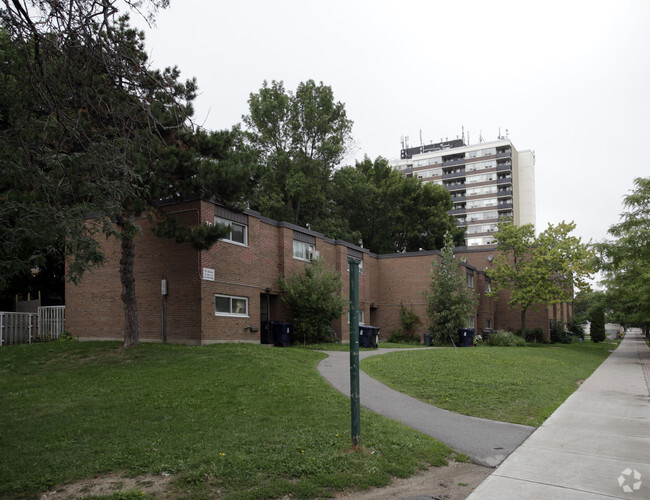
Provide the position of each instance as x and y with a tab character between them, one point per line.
403	278
94	308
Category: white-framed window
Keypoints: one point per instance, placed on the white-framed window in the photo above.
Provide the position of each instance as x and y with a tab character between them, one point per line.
488	324
470	322
302	250
238	232
228	305
470	279
362	317
488	287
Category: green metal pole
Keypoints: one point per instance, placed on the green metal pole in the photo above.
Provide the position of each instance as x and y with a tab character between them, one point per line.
355	401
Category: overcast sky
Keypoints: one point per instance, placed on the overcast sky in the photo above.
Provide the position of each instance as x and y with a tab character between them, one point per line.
568	79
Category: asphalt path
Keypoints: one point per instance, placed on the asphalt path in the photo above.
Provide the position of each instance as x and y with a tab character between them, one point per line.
486	442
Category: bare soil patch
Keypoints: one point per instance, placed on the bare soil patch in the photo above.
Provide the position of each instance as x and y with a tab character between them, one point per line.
111	483
454	482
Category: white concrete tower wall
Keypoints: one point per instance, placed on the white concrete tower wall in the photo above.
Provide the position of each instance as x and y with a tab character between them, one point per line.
525	206
486	181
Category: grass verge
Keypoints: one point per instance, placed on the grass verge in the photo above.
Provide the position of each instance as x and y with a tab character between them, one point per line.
522	385
231	421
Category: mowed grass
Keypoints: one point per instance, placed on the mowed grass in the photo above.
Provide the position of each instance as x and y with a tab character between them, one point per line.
226	421
522	385
337	346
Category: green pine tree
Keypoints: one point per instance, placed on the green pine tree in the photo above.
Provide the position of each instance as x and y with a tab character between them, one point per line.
449	300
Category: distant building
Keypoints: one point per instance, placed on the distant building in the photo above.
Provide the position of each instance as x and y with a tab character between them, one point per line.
487	181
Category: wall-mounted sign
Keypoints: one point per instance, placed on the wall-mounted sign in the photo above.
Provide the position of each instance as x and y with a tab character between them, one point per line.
208	274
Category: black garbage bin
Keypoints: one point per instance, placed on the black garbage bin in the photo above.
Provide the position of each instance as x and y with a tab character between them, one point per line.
281	333
427	338
368	335
466	337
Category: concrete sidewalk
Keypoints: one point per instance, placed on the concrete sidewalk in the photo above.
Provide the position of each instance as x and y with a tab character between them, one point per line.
595	445
486	442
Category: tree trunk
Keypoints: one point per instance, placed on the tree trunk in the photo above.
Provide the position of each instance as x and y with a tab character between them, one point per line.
523	323
131	333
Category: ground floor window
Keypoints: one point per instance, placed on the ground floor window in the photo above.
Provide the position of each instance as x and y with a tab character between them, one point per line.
488	324
470	322
227	305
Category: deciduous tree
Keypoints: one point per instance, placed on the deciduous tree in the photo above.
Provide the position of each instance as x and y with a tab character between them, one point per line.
388	211
548	269
625	261
301	138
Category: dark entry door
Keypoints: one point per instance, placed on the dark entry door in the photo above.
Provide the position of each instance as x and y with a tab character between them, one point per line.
266	332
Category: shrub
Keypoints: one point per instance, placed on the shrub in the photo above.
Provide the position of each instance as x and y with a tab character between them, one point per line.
597	316
576	328
314	298
502	338
559	333
406	333
66	337
533	335
396	336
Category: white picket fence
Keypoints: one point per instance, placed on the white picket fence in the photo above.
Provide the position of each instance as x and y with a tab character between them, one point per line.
25	328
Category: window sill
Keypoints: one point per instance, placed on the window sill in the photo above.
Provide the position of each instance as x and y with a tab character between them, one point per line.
245	245
231	315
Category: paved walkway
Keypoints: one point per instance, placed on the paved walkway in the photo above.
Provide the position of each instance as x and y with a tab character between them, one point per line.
486	442
596	445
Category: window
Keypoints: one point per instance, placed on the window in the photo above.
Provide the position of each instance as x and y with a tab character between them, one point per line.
362	317
488	287
238	232
470	322
470	280
302	250
488	324
226	305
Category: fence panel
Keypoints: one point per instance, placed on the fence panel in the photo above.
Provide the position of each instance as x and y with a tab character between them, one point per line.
51	322
17	328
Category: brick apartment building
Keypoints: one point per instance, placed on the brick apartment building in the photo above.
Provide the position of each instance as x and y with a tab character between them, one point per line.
229	292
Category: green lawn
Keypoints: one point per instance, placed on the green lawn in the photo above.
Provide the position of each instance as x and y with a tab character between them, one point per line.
336	346
247	420
523	385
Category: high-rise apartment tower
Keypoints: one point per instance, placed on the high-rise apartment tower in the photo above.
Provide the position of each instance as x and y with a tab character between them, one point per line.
487	181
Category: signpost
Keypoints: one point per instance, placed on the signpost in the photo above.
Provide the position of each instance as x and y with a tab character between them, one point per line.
355	401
